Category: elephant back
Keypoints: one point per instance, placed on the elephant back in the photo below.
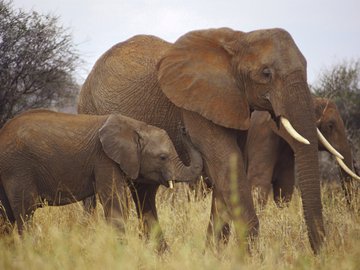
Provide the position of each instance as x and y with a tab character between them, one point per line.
125	69
124	80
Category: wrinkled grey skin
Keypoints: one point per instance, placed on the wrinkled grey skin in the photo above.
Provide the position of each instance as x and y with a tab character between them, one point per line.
60	158
209	81
270	158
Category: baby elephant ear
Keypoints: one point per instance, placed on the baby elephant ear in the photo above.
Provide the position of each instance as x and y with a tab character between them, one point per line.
197	74
120	143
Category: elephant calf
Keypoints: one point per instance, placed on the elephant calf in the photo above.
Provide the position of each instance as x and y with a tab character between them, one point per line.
64	158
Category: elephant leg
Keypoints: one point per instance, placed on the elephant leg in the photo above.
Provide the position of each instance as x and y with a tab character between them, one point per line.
203	189
200	188
111	188
218	230
23	198
260	176
5	211
89	204
261	193
144	196
262	154
224	164
284	176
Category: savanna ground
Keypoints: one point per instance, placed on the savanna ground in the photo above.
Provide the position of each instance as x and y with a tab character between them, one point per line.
67	238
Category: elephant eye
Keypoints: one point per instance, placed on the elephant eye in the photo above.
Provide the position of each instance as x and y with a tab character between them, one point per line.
266	72
331	125
163	157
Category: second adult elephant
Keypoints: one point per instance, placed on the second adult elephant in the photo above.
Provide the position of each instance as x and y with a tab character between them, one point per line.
271	160
210	81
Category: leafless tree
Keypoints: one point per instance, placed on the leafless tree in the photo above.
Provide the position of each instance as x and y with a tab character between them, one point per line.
342	85
37	61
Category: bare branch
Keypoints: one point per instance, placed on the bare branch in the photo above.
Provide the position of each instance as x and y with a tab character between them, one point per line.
37	61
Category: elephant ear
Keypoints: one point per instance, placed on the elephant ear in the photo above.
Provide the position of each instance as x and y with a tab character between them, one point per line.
120	143
196	74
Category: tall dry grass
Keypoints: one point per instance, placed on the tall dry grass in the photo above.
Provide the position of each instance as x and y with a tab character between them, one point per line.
67	238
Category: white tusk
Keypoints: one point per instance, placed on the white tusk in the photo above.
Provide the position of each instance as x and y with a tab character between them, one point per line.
171	184
346	169
327	145
289	128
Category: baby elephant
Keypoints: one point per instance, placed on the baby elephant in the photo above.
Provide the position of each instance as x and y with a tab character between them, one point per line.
64	158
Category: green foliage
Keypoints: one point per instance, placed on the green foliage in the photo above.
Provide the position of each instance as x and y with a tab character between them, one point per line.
37	61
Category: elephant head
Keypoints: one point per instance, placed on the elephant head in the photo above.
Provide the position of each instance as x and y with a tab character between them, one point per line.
223	75
330	123
147	151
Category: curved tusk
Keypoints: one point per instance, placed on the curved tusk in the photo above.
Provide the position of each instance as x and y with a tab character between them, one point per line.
171	184
327	145
346	169
289	128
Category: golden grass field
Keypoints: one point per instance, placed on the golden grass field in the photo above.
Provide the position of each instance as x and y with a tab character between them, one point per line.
67	238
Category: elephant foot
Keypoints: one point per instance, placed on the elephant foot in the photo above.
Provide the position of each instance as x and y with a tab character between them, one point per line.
224	235
216	241
161	246
253	229
155	235
89	205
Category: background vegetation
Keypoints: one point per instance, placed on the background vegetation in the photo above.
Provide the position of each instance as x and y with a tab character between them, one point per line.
66	238
37	62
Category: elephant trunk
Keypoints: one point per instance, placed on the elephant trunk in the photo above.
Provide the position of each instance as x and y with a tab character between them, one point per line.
309	184
297	106
192	172
346	179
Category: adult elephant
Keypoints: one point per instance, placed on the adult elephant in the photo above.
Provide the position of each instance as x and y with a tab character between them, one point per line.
270	158
209	81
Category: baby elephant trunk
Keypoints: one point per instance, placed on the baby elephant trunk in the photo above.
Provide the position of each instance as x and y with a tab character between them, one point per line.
192	172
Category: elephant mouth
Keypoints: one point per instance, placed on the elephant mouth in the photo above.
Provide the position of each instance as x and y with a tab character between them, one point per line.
298	137
292	131
324	143
285	123
167	181
339	158
162	181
